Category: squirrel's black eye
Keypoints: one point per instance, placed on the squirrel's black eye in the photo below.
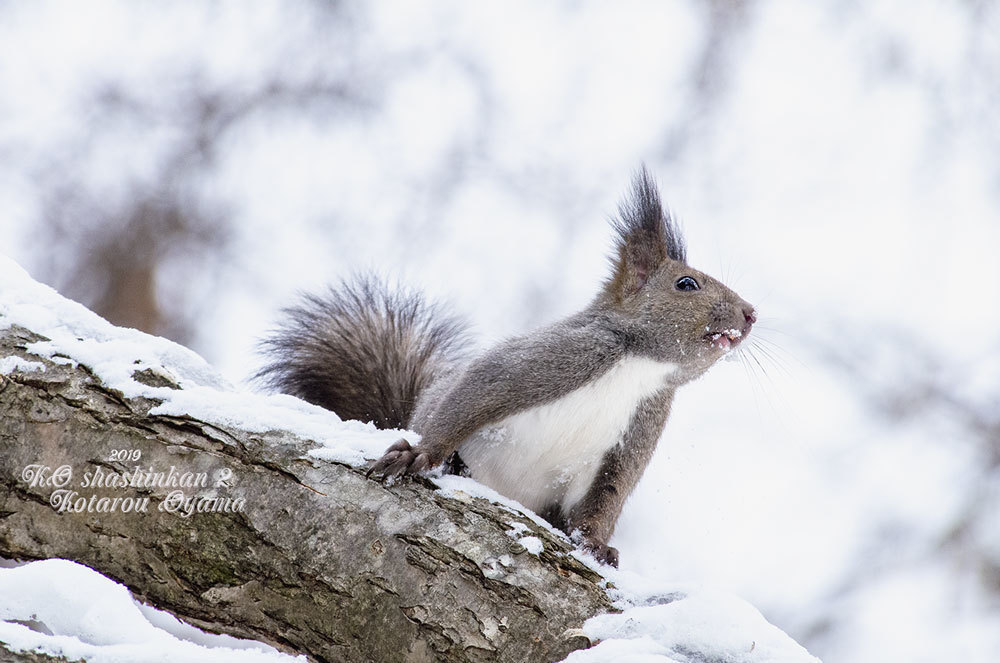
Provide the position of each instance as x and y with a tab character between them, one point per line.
686	283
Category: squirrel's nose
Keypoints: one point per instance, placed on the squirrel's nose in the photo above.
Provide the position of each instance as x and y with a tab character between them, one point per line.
750	315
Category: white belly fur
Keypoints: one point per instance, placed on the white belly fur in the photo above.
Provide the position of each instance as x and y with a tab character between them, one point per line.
551	453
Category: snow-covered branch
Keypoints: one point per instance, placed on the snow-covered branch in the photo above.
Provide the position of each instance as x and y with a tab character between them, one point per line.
251	516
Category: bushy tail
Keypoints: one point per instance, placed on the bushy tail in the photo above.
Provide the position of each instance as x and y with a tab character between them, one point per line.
362	350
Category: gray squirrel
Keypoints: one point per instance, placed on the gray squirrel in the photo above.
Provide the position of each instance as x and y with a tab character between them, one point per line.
563	419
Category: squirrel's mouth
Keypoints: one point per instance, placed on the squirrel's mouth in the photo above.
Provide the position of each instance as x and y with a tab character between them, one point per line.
725	340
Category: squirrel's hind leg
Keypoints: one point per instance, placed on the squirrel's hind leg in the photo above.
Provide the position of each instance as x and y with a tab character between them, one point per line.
556	517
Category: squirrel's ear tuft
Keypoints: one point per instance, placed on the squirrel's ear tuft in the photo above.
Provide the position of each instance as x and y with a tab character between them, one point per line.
647	235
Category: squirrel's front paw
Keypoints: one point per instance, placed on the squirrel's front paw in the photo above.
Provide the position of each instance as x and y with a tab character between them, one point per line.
399	459
603	553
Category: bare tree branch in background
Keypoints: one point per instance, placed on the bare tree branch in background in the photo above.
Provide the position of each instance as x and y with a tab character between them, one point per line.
726	24
909	384
146	250
112	250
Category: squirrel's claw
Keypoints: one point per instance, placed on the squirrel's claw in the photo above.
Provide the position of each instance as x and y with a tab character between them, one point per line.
420	463
399	459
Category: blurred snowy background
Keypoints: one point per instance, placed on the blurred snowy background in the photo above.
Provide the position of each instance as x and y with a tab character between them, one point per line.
187	167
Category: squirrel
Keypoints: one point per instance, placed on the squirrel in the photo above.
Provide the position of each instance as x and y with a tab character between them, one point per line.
563	419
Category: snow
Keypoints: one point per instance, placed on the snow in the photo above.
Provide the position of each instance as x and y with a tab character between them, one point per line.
532	544
76	612
62	608
78	335
700	626
10	364
464	488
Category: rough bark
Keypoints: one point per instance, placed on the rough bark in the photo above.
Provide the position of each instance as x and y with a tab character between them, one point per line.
320	560
9	656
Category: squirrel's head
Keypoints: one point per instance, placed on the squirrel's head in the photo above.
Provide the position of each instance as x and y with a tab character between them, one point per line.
669	311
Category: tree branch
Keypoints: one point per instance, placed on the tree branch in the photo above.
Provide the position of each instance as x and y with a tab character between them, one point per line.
306	555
